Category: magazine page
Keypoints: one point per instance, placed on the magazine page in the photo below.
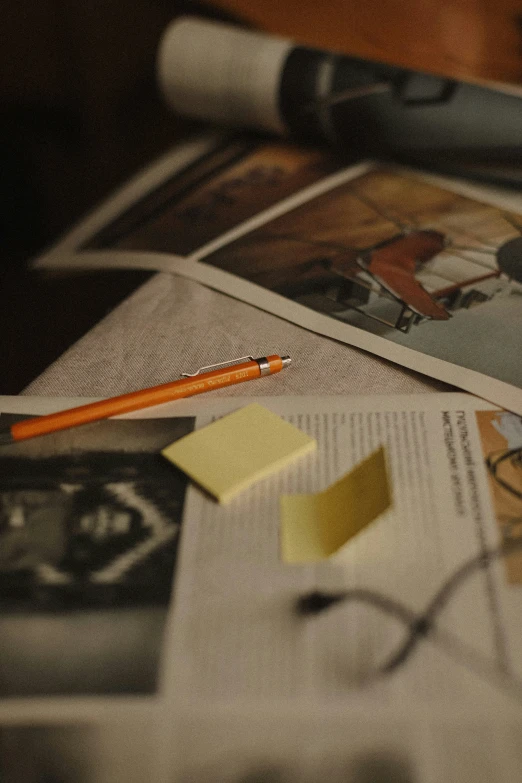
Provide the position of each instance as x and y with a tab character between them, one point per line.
420	270
247	78
143	619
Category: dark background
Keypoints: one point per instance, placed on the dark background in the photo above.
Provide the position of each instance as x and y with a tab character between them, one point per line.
79	113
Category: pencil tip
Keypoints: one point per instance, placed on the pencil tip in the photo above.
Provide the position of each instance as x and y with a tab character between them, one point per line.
5	437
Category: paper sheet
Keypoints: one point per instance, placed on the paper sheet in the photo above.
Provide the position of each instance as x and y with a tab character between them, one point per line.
233	452
315	526
252	690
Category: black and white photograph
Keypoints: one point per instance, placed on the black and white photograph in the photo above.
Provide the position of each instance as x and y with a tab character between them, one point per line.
77	752
90	523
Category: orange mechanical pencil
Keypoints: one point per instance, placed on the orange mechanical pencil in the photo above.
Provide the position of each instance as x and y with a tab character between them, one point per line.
187	386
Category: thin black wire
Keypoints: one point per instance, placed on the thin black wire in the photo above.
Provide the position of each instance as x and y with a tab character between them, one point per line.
420	626
494	459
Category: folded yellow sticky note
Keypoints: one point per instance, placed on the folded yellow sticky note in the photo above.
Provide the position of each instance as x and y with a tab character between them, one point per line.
228	455
314	527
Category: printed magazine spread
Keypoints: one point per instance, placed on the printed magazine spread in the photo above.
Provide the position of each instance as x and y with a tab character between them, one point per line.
421	270
148	633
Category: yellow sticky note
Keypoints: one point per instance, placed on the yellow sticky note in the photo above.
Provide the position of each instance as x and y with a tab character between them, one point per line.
228	455
313	527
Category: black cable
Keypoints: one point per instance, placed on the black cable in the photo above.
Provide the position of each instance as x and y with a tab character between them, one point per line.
418	626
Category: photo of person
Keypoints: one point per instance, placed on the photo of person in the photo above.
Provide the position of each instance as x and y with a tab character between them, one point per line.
88	547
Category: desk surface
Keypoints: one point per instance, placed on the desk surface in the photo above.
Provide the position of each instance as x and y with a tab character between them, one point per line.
468	39
173	325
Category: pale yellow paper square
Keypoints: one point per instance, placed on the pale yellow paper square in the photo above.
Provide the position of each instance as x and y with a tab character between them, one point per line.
313	527
228	455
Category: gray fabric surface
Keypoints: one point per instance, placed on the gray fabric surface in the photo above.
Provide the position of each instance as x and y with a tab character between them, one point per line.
173	325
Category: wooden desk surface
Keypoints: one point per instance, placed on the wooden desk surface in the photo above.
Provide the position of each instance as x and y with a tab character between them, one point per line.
469	39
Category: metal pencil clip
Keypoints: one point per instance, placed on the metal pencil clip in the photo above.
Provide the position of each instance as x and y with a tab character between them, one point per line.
213	366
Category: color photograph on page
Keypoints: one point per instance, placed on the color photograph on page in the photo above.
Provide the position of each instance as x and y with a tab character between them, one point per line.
408	266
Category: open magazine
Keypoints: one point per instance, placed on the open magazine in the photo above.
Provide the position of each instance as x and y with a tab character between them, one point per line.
421	270
148	633
244	78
